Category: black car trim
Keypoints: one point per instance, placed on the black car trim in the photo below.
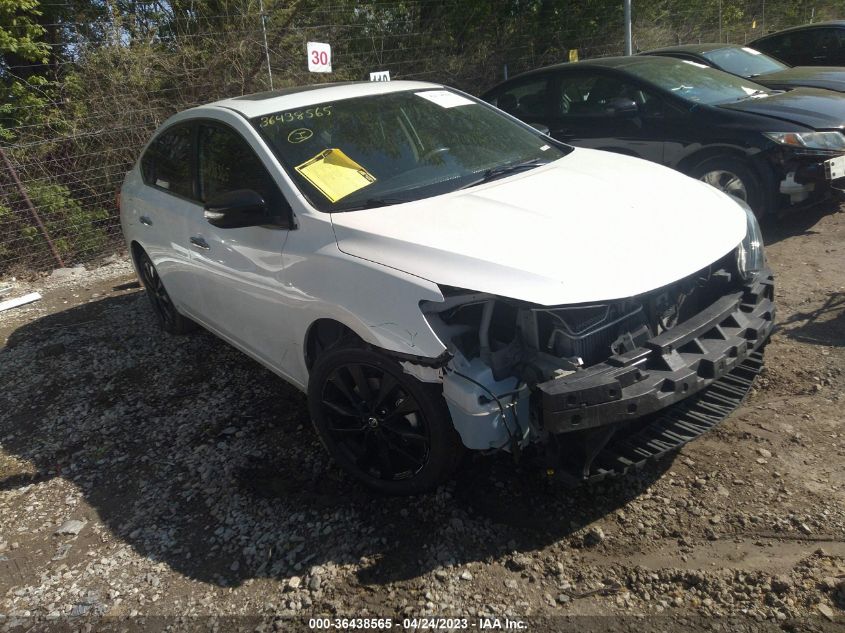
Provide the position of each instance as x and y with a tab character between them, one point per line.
666	369
627	449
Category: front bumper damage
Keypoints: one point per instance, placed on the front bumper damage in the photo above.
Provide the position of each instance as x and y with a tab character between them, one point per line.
641	404
667	368
809	175
602	387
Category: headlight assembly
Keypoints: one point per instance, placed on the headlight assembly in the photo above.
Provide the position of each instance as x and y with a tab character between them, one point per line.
810	140
750	254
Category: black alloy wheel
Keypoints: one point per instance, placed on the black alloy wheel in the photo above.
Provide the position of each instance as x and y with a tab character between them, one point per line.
380	424
168	317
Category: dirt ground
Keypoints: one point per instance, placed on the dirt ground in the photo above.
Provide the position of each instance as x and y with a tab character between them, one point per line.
145	477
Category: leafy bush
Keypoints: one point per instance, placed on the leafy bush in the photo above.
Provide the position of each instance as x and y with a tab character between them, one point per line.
76	229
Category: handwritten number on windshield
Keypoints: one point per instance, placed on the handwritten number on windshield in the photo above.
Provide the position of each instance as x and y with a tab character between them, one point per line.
296	115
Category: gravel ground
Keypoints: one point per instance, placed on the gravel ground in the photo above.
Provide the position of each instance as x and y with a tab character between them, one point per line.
144	475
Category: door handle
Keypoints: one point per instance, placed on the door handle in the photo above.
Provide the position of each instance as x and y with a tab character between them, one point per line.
145	221
199	242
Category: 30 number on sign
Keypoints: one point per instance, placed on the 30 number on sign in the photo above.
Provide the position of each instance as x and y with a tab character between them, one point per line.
319	57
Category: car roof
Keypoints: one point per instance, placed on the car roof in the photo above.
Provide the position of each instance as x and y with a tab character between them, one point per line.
598	62
262	103
691	48
803	27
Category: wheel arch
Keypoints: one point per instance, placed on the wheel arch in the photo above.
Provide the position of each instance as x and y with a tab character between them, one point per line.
686	164
135	250
325	333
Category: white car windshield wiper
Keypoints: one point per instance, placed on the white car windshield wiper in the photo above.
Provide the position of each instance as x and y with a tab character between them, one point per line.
505	170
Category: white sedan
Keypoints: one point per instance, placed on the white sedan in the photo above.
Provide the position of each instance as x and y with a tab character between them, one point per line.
437	275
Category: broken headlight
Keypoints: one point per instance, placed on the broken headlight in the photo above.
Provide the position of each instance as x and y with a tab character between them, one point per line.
750	254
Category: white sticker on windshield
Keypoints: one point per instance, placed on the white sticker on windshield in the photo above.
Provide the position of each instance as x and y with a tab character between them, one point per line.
692	63
751	50
544	148
444	98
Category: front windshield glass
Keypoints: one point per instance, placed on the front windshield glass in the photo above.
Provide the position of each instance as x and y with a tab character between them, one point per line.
744	61
397	147
696	82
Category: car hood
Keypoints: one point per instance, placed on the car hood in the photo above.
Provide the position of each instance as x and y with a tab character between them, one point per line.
827	77
810	107
591	226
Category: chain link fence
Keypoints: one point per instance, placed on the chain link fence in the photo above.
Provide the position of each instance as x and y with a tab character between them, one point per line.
73	121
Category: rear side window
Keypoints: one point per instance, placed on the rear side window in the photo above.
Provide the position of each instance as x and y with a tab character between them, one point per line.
527	100
228	163
167	162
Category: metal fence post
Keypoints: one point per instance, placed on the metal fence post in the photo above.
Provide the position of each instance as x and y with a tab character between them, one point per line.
266	47
31	207
629	49
720	21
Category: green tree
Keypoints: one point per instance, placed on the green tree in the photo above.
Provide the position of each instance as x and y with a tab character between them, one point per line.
21	99
20	32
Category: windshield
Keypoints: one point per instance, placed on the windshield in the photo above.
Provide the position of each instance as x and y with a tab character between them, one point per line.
397	147
744	61
696	82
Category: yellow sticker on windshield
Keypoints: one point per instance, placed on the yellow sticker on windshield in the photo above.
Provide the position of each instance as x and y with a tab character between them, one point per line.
335	174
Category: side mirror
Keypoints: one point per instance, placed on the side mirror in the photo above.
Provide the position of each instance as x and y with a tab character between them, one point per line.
543	129
623	108
239	209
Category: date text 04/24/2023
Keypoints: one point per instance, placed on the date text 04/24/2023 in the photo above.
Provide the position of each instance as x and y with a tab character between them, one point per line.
418	624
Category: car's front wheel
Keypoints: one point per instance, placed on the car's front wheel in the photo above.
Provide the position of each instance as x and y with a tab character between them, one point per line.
735	178
380	424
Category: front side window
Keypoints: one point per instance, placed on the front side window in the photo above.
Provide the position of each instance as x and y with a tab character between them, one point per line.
696	82
746	62
228	163
397	147
167	162
592	95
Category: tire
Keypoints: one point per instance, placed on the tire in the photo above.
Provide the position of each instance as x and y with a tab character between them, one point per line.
384	427
167	316
736	178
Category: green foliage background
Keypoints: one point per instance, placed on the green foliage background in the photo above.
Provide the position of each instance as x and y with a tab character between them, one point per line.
83	83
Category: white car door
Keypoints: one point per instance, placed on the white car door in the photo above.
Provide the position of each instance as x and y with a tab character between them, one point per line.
161	198
240	271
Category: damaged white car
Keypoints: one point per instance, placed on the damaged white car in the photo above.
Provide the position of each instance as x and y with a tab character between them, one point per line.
438	276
